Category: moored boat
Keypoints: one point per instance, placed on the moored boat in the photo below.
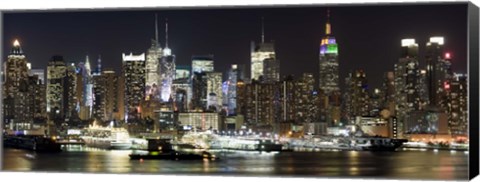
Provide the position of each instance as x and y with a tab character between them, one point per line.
107	137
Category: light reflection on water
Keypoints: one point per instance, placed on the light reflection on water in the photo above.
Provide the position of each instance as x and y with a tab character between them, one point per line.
443	165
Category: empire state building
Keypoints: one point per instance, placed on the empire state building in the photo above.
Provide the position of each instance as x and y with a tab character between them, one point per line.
328	58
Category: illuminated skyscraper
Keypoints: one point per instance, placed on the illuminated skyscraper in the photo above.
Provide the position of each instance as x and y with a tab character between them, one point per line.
271	70
70	97
56	72
167	70
181	88
259	53
214	91
437	69
202	64
356	94
407	77
106	102
259	103
328	80
304	102
235	74
98	96
85	103
199	91
152	77
456	96
15	103
134	75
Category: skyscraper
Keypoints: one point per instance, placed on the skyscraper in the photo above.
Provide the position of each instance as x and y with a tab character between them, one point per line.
181	88
152	77
15	95
70	97
456	96
202	64
199	91
357	97
214	91
407	77
167	70
328	58
259	53
134	80
56	73
304	102
271	70
436	70
235	74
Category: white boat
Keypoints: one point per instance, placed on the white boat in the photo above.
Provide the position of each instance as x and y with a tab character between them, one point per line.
107	137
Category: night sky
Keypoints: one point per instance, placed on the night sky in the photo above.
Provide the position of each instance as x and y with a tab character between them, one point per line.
368	36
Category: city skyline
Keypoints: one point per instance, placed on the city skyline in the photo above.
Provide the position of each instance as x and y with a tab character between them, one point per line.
241	26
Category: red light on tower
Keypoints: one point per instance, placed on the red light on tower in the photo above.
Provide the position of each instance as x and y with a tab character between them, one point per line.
447	55
446	85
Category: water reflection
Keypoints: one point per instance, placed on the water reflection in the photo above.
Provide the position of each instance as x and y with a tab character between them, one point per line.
442	165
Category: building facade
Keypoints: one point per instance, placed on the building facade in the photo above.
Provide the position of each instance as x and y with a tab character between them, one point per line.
134	80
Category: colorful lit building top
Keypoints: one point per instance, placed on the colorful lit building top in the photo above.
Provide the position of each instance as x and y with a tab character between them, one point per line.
328	44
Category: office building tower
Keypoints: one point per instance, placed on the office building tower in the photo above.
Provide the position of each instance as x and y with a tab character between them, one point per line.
328	59
70	97
259	53
456	96
285	101
235	74
134	80
271	70
167	75
437	69
388	88
214	91
98	97
199	91
15	93
407	77
259	104
152	77
304	90
356	95
202	64
106	103
181	88
56	73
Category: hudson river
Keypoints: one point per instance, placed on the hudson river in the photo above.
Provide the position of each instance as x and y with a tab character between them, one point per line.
403	164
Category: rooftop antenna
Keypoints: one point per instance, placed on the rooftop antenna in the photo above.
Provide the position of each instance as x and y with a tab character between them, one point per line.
156	28
263	31
327	26
166	32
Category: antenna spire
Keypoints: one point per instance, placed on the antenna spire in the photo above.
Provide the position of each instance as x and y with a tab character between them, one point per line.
328	30
156	28
166	32
263	31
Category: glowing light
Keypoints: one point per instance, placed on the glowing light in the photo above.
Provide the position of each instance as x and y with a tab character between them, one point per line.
438	40
16	43
167	51
447	55
446	85
408	42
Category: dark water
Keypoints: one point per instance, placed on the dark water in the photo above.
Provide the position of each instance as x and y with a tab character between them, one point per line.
441	165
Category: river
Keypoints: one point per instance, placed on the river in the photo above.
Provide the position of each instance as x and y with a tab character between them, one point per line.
403	164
